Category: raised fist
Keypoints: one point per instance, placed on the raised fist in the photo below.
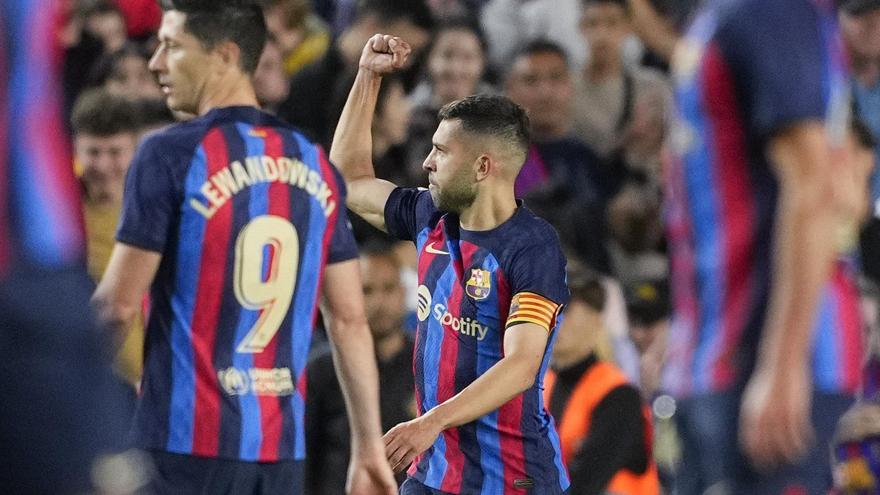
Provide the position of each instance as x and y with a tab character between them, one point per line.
384	54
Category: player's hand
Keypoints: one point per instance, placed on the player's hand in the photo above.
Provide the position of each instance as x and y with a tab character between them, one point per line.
369	475
407	440
774	425
383	54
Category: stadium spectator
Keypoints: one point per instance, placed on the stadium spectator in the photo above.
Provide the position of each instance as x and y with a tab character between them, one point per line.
607	90
636	234
105	135
604	429
270	81
300	34
60	410
562	179
313	88
764	346
486	310
512	24
233	249
327	433
125	72
455	67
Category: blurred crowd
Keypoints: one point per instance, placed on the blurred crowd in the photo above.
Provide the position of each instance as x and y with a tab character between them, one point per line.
593	76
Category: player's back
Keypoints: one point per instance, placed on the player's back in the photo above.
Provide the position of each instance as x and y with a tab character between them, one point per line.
243	210
746	70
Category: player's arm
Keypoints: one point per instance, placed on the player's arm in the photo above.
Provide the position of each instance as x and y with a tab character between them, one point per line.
352	345
775	420
119	294
524	346
352	148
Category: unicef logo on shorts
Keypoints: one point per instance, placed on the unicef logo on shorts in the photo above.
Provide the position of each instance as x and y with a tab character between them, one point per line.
423	303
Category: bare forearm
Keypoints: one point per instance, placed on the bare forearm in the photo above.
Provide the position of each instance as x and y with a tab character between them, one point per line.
355	365
804	251
505	380
352	142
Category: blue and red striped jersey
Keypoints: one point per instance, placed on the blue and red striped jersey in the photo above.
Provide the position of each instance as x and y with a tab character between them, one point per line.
472	286
246	213
745	70
40	216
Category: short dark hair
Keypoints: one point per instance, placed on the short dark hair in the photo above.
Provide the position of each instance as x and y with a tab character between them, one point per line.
491	115
542	45
585	285
98	112
214	21
463	24
388	11
380	248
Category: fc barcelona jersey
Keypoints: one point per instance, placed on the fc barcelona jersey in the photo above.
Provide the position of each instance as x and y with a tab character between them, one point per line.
246	213
472	287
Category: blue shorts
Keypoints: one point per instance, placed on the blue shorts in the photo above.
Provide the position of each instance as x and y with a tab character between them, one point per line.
708	429
179	474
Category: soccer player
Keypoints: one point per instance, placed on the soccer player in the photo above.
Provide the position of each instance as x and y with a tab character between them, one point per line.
491	287
233	220
765	341
60	409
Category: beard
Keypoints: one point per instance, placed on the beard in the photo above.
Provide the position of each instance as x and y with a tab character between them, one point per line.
456	196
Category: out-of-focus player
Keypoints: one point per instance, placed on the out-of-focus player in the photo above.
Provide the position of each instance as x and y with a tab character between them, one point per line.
491	287
59	410
765	343
236	224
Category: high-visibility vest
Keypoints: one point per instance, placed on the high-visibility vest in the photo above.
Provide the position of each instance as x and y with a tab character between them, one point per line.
574	426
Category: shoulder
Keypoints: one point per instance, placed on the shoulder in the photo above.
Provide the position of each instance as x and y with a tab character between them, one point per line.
175	140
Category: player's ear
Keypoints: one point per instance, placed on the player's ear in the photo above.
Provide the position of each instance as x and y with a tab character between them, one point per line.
229	53
483	166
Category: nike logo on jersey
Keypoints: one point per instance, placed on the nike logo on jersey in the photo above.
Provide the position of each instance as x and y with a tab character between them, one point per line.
431	249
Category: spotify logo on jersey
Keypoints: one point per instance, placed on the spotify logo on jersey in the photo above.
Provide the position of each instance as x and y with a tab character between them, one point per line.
423	303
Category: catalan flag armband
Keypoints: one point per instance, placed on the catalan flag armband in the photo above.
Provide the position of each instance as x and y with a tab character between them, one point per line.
528	307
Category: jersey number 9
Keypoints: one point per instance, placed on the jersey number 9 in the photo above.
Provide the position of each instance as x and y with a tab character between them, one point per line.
271	293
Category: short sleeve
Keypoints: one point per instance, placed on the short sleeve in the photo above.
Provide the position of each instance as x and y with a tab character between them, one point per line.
775	55
539	289
343	246
408	211
150	200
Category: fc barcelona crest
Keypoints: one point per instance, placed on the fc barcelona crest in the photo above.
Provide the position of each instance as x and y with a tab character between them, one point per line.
479	285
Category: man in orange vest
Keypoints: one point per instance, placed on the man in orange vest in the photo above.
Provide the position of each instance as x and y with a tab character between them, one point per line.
604	429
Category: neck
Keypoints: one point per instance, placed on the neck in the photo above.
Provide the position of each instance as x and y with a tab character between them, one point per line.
564	362
489	210
390	345
603	69
237	92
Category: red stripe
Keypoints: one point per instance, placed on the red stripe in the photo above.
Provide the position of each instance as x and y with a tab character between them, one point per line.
510	438
452	478
509	414
206	314
850	321
271	419
734	203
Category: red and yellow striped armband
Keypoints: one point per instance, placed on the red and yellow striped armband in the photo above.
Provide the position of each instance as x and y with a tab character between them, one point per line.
528	307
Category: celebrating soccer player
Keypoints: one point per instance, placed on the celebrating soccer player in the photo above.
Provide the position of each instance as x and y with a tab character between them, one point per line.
491	286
